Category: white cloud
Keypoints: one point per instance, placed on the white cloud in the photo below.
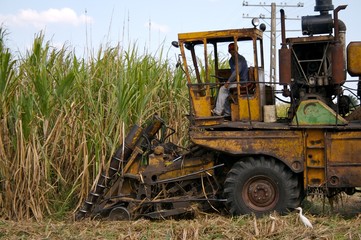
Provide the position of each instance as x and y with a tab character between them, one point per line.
40	19
157	27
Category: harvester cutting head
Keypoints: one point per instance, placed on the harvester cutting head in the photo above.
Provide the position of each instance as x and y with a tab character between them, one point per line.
148	177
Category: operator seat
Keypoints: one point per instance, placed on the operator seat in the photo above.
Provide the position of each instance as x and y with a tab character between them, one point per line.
247	87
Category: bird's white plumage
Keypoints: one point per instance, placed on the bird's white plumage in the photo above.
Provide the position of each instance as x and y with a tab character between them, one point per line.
305	220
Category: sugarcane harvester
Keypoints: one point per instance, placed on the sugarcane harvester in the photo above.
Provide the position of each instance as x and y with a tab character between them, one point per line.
251	161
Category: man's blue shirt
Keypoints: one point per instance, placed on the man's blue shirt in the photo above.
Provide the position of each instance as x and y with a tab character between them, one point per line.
242	67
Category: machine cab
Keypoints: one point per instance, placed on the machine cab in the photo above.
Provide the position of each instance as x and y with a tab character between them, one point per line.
205	61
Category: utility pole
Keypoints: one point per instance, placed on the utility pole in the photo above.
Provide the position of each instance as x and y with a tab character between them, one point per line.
273	32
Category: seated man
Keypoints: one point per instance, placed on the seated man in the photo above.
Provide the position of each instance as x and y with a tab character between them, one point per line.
222	105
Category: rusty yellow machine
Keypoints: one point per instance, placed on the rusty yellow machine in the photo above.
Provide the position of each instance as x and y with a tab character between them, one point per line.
252	161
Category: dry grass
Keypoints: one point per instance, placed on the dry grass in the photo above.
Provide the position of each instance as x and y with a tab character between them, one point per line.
202	227
343	223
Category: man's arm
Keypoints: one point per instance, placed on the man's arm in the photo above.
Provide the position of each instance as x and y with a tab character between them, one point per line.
242	72
233	77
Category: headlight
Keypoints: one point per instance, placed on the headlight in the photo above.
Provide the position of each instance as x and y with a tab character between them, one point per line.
262	27
255	22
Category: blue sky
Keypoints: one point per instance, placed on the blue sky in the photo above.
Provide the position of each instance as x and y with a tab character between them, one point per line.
86	24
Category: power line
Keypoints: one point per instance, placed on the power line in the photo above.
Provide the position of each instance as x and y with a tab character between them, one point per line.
299	4
262	16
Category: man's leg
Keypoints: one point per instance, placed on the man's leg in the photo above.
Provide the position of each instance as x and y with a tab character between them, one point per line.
227	108
221	100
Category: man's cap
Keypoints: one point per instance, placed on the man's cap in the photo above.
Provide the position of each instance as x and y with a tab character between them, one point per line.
231	46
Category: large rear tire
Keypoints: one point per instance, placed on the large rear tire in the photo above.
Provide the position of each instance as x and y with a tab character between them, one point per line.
261	185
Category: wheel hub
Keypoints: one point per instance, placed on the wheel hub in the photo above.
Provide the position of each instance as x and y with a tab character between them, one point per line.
260	193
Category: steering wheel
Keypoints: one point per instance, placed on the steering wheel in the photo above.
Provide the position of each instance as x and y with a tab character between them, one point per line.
221	79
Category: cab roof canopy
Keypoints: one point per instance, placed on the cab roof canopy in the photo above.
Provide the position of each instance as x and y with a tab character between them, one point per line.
220	35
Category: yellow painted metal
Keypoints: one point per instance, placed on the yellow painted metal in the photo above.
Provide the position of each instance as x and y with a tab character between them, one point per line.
353	58
245	33
201	101
247	108
288	146
315	163
208	121
132	165
333	159
181	167
193	166
201	166
344	158
250	106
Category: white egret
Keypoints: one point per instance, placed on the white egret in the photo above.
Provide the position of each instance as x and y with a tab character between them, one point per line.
305	220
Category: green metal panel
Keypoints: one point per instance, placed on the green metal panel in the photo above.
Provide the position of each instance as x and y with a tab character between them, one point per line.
315	112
